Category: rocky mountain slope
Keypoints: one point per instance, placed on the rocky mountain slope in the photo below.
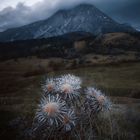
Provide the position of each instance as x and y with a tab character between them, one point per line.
83	18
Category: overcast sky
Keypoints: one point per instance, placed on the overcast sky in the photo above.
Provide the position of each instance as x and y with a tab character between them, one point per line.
14	13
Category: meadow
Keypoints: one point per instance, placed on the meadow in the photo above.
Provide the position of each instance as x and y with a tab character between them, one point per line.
20	92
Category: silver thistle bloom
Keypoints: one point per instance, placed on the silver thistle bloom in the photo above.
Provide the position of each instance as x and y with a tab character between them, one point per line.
49	85
69	121
69	85
51	111
97	101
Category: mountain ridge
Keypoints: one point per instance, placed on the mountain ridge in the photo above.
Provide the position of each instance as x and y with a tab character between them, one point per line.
83	17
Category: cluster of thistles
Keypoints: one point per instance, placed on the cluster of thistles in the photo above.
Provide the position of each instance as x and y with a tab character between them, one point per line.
59	106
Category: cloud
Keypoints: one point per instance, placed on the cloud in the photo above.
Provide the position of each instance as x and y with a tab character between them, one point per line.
123	11
21	14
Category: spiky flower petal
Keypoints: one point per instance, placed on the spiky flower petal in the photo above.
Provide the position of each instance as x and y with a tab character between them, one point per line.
51	110
69	85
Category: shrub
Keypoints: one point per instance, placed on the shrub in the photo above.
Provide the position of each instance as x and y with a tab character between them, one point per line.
67	110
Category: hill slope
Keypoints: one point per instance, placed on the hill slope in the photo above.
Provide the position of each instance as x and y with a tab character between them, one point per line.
72	45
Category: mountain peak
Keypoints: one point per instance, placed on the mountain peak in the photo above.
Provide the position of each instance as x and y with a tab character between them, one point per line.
83	18
85	5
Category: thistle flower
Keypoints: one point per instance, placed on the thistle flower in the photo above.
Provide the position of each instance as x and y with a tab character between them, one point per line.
69	85
49	85
96	101
51	111
69	121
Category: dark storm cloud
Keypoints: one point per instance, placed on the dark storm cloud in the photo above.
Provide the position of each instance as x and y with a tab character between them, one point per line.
124	11
10	17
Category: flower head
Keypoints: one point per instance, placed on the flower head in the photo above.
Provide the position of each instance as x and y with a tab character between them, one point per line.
49	85
51	110
69	85
96	101
69	121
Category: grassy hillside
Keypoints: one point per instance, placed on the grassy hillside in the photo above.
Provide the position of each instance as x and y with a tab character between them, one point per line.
109	62
20	93
72	46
